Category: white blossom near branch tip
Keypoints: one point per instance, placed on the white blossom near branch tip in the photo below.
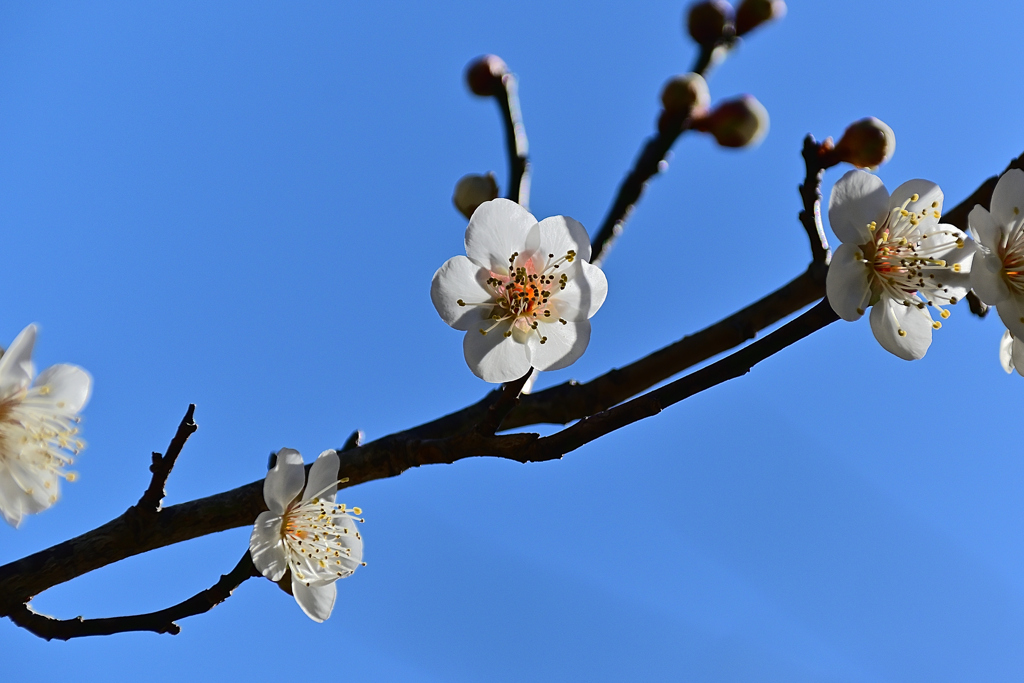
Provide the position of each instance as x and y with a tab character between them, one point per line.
998	276
306	532
1011	353
897	258
38	428
524	292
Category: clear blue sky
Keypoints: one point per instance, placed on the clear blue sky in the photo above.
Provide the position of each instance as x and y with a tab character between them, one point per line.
242	206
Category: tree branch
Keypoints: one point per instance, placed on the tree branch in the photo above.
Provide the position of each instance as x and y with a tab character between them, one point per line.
163	464
516	143
162	621
810	193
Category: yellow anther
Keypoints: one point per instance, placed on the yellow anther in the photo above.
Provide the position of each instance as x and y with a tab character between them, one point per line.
956	267
914	197
936	325
357	511
860	311
901	332
935	205
944	314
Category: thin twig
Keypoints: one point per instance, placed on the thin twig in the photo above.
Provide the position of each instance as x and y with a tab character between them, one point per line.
810	193
354	440
515	141
503	405
162	621
163	464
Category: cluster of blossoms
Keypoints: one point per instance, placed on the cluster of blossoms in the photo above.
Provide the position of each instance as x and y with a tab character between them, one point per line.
305	533
897	258
38	428
524	292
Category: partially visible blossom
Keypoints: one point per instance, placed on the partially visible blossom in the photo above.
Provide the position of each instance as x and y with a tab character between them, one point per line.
305	532
523	294
38	428
998	275
1011	353
897	258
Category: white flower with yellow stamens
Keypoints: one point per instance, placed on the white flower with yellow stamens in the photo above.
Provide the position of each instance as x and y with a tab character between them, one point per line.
523	293
897	258
306	532
998	277
38	428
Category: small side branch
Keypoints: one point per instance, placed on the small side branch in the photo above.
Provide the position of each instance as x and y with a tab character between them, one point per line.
810	193
503	405
162	621
515	141
163	464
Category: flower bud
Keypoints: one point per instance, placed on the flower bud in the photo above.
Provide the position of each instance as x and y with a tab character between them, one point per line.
868	143
686	94
707	21
473	190
736	123
753	13
483	75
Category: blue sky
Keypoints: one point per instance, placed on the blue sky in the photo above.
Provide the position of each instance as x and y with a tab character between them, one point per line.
242	206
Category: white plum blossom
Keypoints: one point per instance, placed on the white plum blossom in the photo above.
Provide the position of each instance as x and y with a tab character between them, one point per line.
306	532
998	275
1011	353
38	428
523	293
897	258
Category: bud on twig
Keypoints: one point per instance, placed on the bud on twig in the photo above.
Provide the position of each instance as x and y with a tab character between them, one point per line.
473	190
868	143
753	13
736	123
686	95
707	22
483	75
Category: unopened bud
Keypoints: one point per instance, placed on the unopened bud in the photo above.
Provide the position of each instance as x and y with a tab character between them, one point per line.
736	123
473	190
753	13
868	143
686	94
707	21
483	75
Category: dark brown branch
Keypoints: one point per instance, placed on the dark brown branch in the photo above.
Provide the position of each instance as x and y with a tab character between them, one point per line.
163	464
162	621
810	193
515	141
503	405
653	402
713	53
647	165
354	440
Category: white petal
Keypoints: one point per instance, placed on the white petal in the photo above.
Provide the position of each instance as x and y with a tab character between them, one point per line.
16	369
11	499
284	482
889	317
564	345
984	227
987	279
41	487
323	477
928	193
460	278
266	546
497	230
560	234
1006	351
847	284
857	199
1008	198
494	357
1011	312
583	295
316	601
1017	354
68	386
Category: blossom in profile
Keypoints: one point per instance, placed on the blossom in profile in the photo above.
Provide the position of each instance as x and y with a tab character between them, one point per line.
524	292
896	258
1011	353
38	428
998	275
305	532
